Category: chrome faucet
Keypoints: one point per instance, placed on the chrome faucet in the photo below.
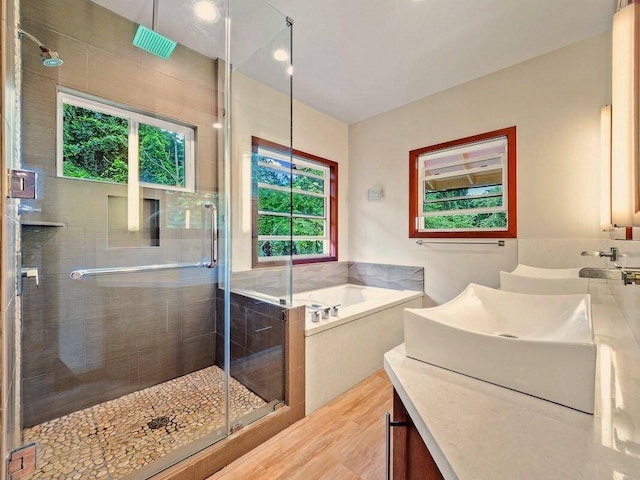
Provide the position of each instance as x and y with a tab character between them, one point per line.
611	255
601	273
629	276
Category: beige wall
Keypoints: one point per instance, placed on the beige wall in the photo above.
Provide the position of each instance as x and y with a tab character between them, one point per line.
261	111
554	100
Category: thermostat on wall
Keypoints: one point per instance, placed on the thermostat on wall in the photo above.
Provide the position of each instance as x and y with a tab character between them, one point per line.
375	193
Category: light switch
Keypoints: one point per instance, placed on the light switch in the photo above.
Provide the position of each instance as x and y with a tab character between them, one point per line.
375	193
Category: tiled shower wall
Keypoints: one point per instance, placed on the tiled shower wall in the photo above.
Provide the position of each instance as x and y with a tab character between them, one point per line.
257	344
90	340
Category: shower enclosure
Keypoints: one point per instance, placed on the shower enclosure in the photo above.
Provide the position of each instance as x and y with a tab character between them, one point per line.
127	344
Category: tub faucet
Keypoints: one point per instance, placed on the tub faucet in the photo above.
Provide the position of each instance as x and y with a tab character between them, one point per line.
611	255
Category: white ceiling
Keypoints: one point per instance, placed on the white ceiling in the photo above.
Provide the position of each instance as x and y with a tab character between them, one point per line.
356	58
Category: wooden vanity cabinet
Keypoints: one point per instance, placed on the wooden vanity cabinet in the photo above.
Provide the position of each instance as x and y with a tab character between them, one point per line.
411	459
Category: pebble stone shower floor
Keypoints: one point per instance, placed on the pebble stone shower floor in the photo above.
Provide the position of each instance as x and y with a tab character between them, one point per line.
112	439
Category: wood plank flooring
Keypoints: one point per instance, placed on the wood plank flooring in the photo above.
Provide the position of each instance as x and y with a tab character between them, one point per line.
342	440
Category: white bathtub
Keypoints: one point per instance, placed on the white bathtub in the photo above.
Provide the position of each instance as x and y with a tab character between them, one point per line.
341	351
355	301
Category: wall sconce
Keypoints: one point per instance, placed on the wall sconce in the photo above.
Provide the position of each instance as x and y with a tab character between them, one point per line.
624	119
605	173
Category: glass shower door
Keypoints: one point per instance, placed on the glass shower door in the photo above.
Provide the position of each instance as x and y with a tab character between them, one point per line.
143	331
119	371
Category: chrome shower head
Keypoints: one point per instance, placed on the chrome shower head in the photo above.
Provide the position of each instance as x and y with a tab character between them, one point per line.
49	57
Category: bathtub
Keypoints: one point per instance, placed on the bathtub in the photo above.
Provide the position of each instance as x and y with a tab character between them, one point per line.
355	301
341	351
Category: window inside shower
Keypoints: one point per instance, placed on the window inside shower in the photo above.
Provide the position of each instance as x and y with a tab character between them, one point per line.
102	142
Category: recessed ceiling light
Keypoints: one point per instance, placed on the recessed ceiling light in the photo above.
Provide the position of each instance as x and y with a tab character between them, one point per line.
206	11
281	55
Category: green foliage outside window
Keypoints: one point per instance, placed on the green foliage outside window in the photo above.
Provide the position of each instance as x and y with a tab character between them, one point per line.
279	201
436	200
96	147
478	220
161	153
272	225
279	178
277	248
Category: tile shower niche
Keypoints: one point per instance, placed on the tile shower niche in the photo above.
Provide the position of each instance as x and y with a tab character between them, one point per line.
142	233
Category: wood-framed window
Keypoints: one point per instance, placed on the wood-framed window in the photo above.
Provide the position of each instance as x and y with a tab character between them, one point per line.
294	205
464	188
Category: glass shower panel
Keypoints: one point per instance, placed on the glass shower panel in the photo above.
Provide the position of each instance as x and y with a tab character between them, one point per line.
260	76
11	237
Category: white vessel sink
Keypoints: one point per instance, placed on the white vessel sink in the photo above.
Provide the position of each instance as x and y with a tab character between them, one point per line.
544	281
537	344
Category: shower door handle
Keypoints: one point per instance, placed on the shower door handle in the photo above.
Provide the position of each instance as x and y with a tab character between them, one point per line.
214	233
93	272
98	272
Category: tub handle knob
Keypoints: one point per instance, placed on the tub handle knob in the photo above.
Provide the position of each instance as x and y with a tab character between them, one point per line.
315	316
334	310
325	313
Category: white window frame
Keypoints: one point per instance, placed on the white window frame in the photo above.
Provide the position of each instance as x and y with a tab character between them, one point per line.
264	151
134	119
424	177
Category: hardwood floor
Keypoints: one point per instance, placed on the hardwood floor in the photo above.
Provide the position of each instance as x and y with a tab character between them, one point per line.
342	440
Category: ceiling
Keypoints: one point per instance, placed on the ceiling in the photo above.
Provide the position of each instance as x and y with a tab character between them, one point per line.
357	58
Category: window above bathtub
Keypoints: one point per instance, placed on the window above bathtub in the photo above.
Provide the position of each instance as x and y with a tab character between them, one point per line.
464	188
102	142
295	205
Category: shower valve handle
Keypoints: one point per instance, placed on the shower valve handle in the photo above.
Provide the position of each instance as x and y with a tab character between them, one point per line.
31	273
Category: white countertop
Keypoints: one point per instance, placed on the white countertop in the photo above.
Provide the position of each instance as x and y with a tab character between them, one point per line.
479	431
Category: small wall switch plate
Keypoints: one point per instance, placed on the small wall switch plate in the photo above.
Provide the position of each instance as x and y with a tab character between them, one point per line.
375	193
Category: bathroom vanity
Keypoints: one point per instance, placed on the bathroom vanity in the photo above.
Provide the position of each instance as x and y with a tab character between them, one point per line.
467	429
411	457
